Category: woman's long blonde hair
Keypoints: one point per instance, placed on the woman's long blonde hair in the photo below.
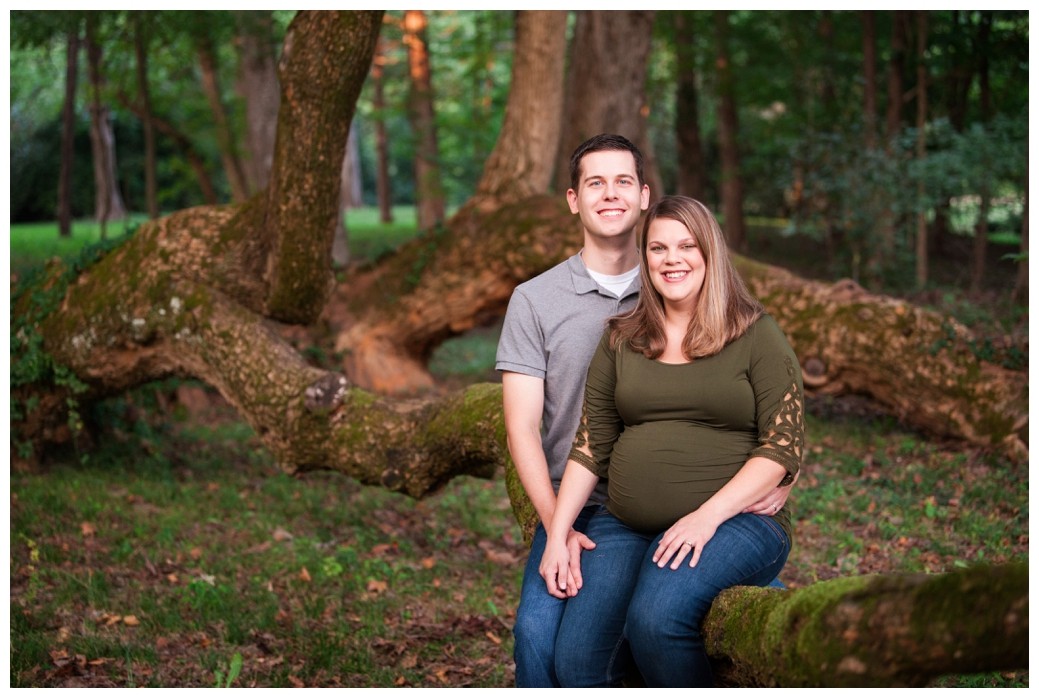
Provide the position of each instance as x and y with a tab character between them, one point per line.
725	308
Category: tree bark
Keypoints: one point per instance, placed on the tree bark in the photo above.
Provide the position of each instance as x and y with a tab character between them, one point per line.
521	164
728	139
600	37
258	86
68	133
883	631
429	194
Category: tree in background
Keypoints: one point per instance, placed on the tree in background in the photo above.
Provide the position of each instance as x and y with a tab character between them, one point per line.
728	137
68	128
605	85
108	200
429	193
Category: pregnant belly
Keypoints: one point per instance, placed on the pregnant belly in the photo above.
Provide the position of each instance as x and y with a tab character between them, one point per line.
661	471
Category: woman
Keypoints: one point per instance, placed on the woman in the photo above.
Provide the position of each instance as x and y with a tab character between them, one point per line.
694	411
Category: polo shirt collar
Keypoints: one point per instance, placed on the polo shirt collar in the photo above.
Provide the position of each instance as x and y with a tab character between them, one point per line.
584	283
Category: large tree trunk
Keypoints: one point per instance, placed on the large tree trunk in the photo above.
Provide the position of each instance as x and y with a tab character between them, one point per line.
521	163
883	631
600	37
429	193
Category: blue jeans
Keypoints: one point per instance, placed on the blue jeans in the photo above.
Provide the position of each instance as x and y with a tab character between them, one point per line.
538	617
657	611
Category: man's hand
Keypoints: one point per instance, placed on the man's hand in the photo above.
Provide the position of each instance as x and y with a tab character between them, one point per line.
771	503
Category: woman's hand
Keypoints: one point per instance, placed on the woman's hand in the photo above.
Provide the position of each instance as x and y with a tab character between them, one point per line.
687	536
555	570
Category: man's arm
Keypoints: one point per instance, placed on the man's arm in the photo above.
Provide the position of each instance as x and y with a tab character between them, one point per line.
523	398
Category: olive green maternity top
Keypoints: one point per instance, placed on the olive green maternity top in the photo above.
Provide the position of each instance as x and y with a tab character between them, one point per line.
668	436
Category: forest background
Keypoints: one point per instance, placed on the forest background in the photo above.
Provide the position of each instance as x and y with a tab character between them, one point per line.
910	180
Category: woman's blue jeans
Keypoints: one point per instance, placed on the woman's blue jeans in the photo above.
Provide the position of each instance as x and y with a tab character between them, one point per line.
657	611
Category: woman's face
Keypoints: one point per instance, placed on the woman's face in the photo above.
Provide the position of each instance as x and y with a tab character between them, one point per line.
675	263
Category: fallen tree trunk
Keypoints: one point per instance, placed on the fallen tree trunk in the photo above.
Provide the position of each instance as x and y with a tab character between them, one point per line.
890	630
921	365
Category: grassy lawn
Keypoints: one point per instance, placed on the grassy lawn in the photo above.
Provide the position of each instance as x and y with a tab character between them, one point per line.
175	553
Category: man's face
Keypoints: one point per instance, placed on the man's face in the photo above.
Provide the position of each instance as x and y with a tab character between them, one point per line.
609	198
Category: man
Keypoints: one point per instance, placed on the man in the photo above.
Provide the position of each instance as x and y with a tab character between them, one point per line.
552	327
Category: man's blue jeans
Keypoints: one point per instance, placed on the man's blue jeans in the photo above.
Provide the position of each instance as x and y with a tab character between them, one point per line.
538	617
626	597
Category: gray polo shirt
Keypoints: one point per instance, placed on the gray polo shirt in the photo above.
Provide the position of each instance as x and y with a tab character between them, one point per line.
552	327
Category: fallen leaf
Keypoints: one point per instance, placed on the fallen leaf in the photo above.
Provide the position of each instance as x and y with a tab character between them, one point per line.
280	534
376	586
87	529
195	553
428	562
304	576
131	621
493	638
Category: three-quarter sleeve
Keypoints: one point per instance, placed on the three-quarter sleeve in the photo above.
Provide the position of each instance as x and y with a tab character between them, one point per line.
775	375
600	423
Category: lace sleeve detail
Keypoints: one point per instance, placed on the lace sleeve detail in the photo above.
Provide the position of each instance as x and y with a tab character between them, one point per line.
783	439
581	450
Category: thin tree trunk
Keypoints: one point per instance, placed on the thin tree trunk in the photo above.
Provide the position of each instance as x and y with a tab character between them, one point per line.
141	53
233	168
921	146
258	86
429	193
108	203
895	88
68	134
349	197
1021	287
981	50
728	138
869	74
692	167
183	143
383	190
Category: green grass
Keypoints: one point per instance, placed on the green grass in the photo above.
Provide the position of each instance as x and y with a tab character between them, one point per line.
316	579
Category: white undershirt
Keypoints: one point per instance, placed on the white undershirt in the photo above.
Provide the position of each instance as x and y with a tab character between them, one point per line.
615	284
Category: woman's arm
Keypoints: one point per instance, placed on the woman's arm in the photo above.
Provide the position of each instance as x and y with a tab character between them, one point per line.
689	534
561	579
